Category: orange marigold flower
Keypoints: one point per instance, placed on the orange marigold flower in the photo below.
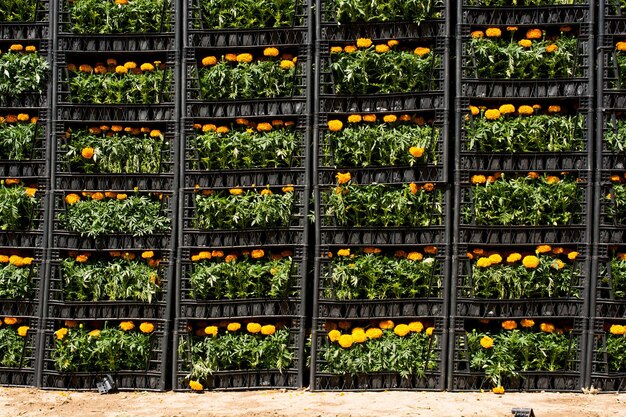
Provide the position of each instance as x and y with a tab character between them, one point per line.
87	153
386	324
527	323
382	48
547	327
287	64
120	69
30	191
420	51
82	258
354	118
268	330
551	179
525	43
416	152
530	262
349	49
551	48
245	58
554	109
72	198
415	256
271	51
509	325
370	118
534	34
478	179
343	252
401	330
155	133
335	125
222	129
493	32
506	109
343	178
525	110
257	253
543	249
363	43
336	49
393	42
514	257
498	390
474	110
146	327
477	34
390	118
492	114
127	325
97	196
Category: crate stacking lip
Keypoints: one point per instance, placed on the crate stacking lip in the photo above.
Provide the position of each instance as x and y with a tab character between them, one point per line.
432	379
34	163
383	237
24	374
522	235
236	177
233	37
334	32
602	376
526	15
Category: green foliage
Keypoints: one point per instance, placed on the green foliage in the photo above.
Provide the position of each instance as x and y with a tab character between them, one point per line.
615	135
18	210
118	153
17	139
537	133
149	87
377	276
18	10
234	351
518	351
240	148
502	58
248	209
22	72
616	204
16	282
217	279
618	277
11	347
256	79
347	11
111	351
522	3
104	16
109	279
380	145
242	14
137	215
525	201
616	352
409	355
383	205
366	71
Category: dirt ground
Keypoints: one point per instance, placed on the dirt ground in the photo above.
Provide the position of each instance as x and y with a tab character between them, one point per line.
33	402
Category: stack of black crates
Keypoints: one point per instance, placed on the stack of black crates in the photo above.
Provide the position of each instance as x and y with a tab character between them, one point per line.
608	297
114	192
25	42
242	257
523	196
382	197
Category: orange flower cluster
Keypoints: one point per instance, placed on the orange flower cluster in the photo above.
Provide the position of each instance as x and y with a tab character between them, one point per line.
343	333
287	60
233	256
111	66
414	255
487	258
250	126
18	118
203	328
112	130
18	47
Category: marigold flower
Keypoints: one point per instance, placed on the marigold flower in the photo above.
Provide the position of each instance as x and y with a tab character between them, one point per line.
217	254
514	257
335	125
507	109
222	129
525	110
253	327
147	67
10	321
363	43
373	333
393	42
534	34
287	64
421	51
16	47
264	127
30	191
617	329
543	249
343	252
572	255
120	69
527	323
195	385
245	58
61	333
122	2
130	65
127	325
493	32
478	179
87	152
621	46
525	43
415	256
146	327
155	133
334	335
349	49
483	262
336	49
94	333
382	48
386	324
486	342
492	114
346	341
530	262
416	152
414	188
554	109
401	330
343	178
235	191
22	331
557	264
82	258
354	118
431	250
547	327
71	67
390	118
257	253
552	179
430	330
22	117
71	323
512	28
370	118
498	390
271	51
230	57
477	34
72	199
211	330
233	327
495	259
509	325
209	128
551	48
416	326
230	258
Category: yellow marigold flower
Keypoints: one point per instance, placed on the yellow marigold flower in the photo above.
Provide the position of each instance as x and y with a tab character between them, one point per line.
572	255
415	256
354	118
22	331
492	114
122	2
617	329
552	179
430	330
533	175
147	254
335	125
478	179
495	259
557	264
72	199
343	252
507	109
120	69
527	323
30	191
253	327
509	325
146	327
416	326
211	330
257	253
233	327
530	262
127	325
386	324
370	118
349	49
4	260
401	330
16	47
343	178
10	321
525	43
288	188
416	152
264	127
414	188
222	129
287	64
554	109
235	191
359	336
336	49
551	48
195	385
23	117
217	254
374	333
130	65
271	51
498	390
94	333
382	48
543	249
483	262
534	34
31	48
97	196
209	60
474	110
547	327
621	46
493	32
477	34
390	118
346	341
87	152
486	342
245	58
512	28
82	258
363	43
514	257
61	333
421	51
334	335
266	191
155	133
525	110
147	67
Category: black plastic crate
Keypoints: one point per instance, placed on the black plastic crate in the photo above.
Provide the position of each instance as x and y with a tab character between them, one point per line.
293	162
231	178
231	37
32	220
606	375
609	8
430	377
122	113
30	99
610	298
23	375
570	378
162	39
610	138
33	163
375	103
36	26
567	304
610	211
191	306
166	156
59	307
526	235
383	237
26	305
290	377
152	378
579	12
